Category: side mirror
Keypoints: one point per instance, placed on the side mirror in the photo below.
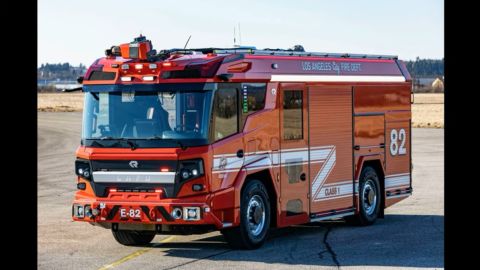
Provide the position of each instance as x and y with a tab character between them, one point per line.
80	79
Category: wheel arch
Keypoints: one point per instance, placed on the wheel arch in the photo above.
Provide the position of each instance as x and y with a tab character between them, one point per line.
265	177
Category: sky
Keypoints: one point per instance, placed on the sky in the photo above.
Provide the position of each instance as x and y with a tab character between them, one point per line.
80	31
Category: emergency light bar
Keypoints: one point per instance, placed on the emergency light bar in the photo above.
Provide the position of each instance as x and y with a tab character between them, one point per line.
140	48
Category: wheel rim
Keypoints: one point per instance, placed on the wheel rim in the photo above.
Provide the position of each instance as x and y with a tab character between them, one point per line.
369	197
256	215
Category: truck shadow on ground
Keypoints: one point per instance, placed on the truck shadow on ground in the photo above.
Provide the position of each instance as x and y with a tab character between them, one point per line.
397	240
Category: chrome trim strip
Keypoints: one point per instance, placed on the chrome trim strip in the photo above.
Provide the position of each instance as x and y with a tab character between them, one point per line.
399	195
332	216
134	177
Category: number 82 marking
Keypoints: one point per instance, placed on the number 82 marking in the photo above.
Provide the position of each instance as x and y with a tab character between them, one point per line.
395	137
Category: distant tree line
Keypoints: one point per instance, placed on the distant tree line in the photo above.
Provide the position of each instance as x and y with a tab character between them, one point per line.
63	72
426	67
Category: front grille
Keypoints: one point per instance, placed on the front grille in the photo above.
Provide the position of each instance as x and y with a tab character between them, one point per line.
101	188
133	165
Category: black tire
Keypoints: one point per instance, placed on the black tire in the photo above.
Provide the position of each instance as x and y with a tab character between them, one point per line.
242	237
133	238
368	213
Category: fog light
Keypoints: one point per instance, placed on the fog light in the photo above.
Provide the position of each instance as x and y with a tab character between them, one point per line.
126	79
138	66
125	66
191	213
78	211
197	187
177	213
88	210
152	66
81	186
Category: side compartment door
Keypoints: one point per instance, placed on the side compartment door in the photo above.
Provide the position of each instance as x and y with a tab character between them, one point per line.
398	178
294	172
331	150
369	142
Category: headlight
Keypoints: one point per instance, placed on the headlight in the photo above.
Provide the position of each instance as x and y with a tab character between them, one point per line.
82	168
185	173
189	169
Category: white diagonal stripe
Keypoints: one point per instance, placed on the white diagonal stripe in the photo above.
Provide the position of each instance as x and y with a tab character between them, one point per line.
324	172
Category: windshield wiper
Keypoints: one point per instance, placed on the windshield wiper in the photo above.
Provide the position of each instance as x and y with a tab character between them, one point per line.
156	137
97	143
133	145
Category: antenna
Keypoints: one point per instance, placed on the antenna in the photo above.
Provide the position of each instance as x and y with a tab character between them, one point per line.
239	35
234	39
187	42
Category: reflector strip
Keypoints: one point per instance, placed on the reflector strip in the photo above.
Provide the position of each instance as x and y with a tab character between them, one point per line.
335	78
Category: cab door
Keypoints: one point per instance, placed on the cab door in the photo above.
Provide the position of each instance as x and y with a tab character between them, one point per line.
228	146
294	156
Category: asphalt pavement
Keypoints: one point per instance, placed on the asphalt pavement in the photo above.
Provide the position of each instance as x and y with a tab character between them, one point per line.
410	236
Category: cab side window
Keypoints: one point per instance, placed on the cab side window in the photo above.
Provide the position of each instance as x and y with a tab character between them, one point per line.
225	113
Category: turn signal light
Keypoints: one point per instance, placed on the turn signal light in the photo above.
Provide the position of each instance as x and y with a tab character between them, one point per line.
168	64
197	187
81	186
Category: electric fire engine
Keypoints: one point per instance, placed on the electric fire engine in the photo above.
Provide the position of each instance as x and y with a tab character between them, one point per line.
239	140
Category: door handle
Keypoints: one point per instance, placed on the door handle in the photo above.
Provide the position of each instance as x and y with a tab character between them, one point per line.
240	153
303	177
382	145
356	147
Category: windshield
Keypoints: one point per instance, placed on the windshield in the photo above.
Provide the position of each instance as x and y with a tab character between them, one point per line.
148	115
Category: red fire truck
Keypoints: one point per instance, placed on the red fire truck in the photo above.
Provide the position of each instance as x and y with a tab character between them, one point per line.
239	140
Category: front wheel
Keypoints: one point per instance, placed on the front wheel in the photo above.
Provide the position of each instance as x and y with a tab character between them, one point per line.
254	218
133	238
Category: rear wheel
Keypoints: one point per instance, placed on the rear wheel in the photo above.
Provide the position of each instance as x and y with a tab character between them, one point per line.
370	198
254	218
133	238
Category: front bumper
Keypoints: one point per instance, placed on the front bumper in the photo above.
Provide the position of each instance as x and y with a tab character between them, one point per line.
150	207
